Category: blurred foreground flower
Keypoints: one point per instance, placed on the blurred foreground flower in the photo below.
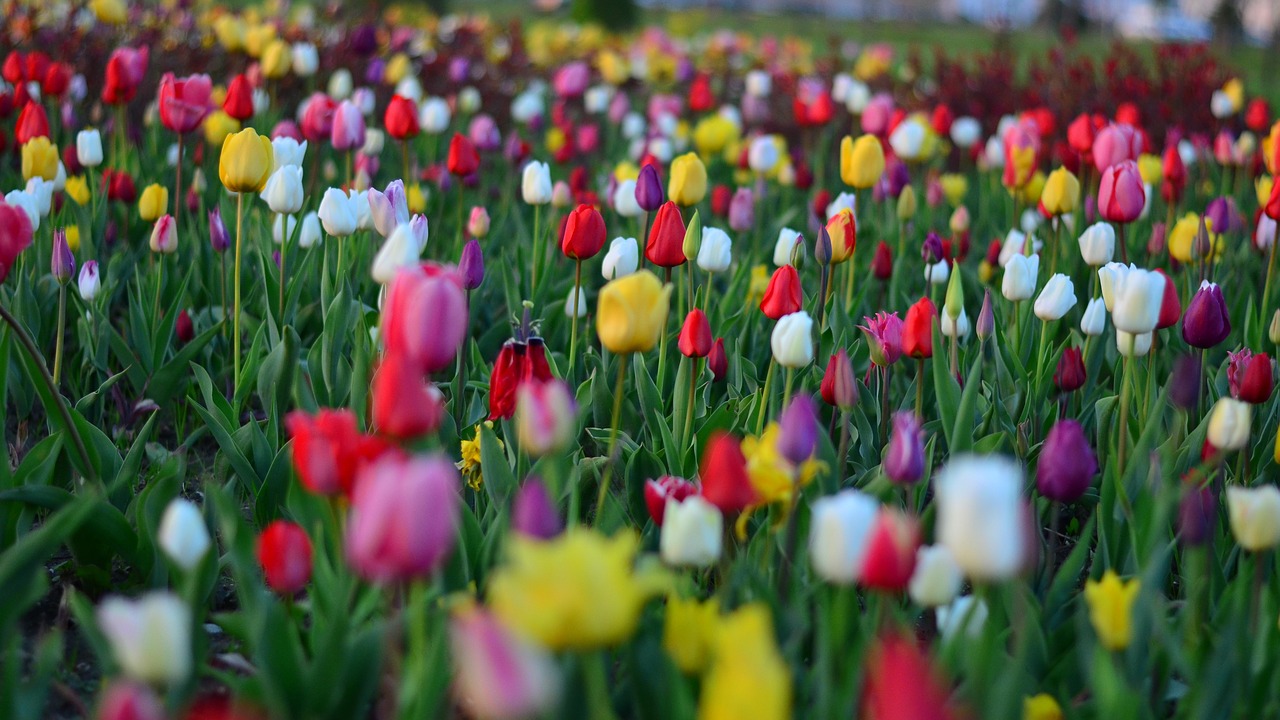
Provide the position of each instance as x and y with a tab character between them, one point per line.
1110	603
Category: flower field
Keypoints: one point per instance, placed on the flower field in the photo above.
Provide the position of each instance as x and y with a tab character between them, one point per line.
386	365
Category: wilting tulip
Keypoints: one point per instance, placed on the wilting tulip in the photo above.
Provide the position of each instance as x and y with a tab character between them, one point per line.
839	530
937	579
425	316
246	161
183	535
981	515
403	519
1110	604
692	532
783	295
688	183
1207	321
1229	422
632	312
1255	516
284	552
1067	463
498	674
150	637
546	417
1057	297
1121	196
792	340
1249	376
725	482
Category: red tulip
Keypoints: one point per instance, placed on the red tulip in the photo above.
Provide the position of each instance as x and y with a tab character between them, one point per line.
584	233
1272	208
1121	195
665	247
463	159
328	450
891	551
401	118
125	70
656	493
900	683
882	262
405	406
721	196
1249	376
317	120
15	236
1170	305
784	295
1175	175
725	482
284	552
1070	374
424	319
120	187
517	362
14	68
185	102
239	100
917	329
1257	116
56	80
942	119
183	326
695	335
701	98
32	123
1080	135
717	363
839	388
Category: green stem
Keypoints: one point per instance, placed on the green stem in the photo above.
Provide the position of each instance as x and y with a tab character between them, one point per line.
573	319
764	397
1266	288
537	246
62	328
613	437
920	387
284	249
599	706
235	339
687	436
155	307
786	386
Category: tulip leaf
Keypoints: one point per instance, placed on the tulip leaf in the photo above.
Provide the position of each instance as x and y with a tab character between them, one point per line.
962	432
499	480
946	389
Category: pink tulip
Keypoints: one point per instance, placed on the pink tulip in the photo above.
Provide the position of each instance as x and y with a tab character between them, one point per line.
498	674
876	116
348	127
404	518
15	236
484	133
425	316
1121	195
571	80
1116	143
129	701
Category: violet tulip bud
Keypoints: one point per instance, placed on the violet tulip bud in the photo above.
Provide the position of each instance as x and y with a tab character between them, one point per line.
218	237
904	458
533	513
471	265
1196	512
1206	322
1184	382
63	263
798	429
649	193
1067	463
986	324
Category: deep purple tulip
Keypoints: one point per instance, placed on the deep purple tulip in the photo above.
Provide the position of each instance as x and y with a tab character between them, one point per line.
1223	215
649	194
471	265
364	41
1196	513
1206	322
798	429
898	178
1067	463
904	459
1184	382
532	513
931	249
218	236
63	263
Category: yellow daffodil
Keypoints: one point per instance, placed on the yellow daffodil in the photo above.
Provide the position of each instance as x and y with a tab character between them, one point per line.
1110	603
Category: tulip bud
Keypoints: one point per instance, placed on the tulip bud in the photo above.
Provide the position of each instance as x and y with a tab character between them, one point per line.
1229	424
183	535
695	335
533	513
692	237
1197	512
62	263
822	248
1070	374
1067	463
904	458
882	262
839	530
1273	330
164	236
692	532
1057	297
1255	516
907	204
798	430
986	324
575	304
90	282
717	363
954	303
219	240
792	340
839	388
471	265
1207	321
937	579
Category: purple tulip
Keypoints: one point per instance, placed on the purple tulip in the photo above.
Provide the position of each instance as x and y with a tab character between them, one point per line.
484	133
742	210
218	237
898	177
1223	216
798	429
904	458
1196	513
931	249
649	194
377	68
364	41
532	512
1067	463
459	69
1184	382
986	324
471	265
63	263
1206	322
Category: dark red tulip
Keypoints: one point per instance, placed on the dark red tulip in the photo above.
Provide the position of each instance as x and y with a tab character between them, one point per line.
183	328
1249	376
717	362
1070	373
882	262
1067	464
1170	305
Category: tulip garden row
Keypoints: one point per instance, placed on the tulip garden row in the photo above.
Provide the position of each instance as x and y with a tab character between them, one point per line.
425	367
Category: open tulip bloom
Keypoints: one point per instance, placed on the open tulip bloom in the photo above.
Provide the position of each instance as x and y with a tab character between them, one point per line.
414	366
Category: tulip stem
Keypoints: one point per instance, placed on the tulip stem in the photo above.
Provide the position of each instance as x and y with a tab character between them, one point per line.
1266	288
1124	245
687	436
842	456
235	338
155	307
920	387
62	328
613	437
573	319
764	397
59	403
597	686
537	236
1122	436
177	189
786	386
222	286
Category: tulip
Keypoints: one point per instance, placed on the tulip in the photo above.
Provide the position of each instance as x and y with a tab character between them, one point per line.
39	159
517	362
717	363
164	236
861	161
632	312
917	329
584	233
434	116
695	335
128	701
153	203
404	515
183	535
287	151
533	514
882	262
401	118
1110	604
716	250
1133	296
184	103
1121	196
462	160
471	265
1255	516
981	514
284	552
742	210
425	314
498	674
398	252
389	209
337	213
624	200
688	183
649	195
783	295
245	162
798	430
1067	463
840	529
348	131
62	264
283	191
986	324
32	123
762	155
838	387
1229	422
665	246
89	283
545	417
658	492
785	247
1249	376
328	450
1207	321
692	531
843	230
1070	374
219	239
890	557
900	682
535	186
150	637
792	340
884	338
1057	297
725	482
89	148
1019	281
936	580
1115	144
906	204
622	258
1098	244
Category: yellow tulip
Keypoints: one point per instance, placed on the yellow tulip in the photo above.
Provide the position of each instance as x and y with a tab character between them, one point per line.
748	678
774	478
954	188
153	203
632	313
713	133
1061	192
276	60
985	272
397	68
1271	149
1262	186
1041	707
1023	160
758	285
73	238
231	32
245	162
1182	238
907	204
613	67
688	184
1234	89
1110	603
1151	168
626	170
78	189
39	159
689	632
1034	188
861	161
415	199
843	230
257	38
554	140
218	125
111	12
578	591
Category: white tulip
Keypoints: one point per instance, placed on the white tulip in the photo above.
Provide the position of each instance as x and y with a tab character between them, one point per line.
759	83
907	140
792	340
310	233
150	637
410	88
24	200
763	154
839	527
287	151
859	97
1098	244
786	243
89	148
1229	423
1265	236
398	251
965	132
958	328
1015	243
1255	516
982	514
90	282
1220	105
964	615
283	191
716	251
993	152
596	99
41	191
1057	297
1133	295
374	140
535	185
306	60
1133	345
937	578
844	200
340	84
337	213
527	106
1094	321
183	535
282	228
622	258
434	115
692	533
578	309
1019	282
633	125
937	273
364	213
624	200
